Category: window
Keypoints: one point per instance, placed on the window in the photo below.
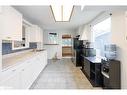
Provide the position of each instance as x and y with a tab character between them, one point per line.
101	35
66	42
53	38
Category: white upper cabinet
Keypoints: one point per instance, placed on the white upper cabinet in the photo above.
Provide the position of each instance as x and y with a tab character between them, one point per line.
40	35
11	28
36	34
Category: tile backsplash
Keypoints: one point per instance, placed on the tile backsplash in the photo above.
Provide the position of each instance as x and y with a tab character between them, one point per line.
7	47
33	45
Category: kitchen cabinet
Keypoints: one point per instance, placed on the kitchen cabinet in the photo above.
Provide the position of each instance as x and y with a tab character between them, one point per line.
27	74
12	81
11	22
39	35
23	75
87	67
31	72
95	74
111	71
92	69
36	34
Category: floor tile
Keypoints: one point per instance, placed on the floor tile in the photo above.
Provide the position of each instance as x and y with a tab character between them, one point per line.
61	74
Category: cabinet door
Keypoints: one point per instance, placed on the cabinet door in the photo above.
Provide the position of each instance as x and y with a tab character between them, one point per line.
41	34
87	67
27	75
29	34
13	82
11	24
36	34
33	34
30	73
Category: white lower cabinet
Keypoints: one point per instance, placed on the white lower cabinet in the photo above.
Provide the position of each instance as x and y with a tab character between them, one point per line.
13	82
24	76
27	76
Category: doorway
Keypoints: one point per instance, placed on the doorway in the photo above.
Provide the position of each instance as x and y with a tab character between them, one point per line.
66	46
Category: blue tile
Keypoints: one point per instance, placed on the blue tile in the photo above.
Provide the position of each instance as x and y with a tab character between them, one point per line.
7	48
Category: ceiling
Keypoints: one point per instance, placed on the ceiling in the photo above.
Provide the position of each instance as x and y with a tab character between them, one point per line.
42	15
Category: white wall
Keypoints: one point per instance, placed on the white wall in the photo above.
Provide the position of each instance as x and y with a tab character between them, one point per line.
85	30
52	49
119	34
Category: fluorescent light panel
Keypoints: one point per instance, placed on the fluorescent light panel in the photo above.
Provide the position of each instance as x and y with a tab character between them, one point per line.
62	13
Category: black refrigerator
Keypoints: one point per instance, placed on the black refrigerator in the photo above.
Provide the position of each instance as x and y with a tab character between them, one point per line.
77	51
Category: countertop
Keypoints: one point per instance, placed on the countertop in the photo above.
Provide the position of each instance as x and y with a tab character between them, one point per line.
12	60
94	59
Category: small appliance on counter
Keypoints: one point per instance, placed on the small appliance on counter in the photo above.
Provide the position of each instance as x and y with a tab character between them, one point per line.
88	49
88	44
88	52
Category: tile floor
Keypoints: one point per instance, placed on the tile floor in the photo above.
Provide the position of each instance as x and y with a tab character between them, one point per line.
61	74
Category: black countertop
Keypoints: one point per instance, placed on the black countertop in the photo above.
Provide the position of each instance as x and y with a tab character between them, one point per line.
94	59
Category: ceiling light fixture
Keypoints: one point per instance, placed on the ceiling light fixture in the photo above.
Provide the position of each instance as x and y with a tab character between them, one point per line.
62	13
